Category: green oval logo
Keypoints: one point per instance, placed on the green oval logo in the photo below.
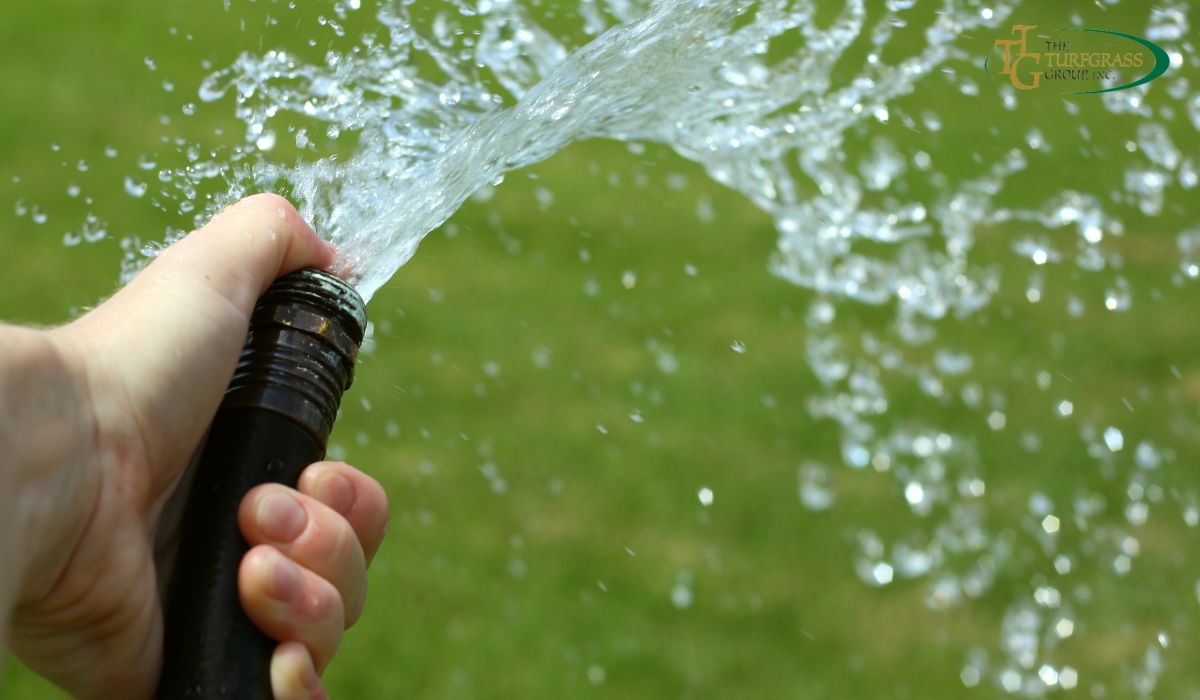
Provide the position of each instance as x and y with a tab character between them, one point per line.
1077	61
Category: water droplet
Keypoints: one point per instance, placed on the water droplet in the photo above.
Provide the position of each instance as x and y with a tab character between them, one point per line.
1050	524
681	594
815	490
133	188
1114	439
1116	300
266	141
1068	678
1122	564
492	474
969	676
450	96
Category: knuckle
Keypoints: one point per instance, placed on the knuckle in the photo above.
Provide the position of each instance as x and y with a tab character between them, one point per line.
267	211
266	201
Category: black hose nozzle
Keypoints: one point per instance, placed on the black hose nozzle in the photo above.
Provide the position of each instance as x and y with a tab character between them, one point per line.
274	421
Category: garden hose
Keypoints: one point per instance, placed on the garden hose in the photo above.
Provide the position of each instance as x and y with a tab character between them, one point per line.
273	422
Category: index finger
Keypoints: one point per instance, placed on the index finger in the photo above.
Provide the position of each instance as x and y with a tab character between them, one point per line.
356	496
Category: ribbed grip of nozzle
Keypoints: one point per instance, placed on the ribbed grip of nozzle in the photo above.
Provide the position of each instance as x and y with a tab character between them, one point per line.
274	421
299	354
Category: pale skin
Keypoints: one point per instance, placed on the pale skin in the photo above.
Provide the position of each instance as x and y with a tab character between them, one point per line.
98	420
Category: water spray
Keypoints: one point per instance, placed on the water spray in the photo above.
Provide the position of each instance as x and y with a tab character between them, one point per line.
274	421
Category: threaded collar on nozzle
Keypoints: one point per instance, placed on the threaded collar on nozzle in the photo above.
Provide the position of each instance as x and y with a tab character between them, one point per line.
300	350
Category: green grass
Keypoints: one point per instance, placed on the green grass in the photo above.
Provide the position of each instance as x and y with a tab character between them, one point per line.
532	591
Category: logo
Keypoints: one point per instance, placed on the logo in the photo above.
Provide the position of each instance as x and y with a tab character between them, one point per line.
1076	61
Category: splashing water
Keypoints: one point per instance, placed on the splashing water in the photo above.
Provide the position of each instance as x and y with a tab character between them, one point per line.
701	77
798	108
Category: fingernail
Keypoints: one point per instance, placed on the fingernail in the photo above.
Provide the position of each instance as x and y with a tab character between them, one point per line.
281	517
285	579
335	491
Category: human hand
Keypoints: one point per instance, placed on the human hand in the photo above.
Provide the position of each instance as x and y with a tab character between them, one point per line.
138	380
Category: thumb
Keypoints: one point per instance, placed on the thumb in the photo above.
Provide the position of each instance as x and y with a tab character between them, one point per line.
159	353
237	255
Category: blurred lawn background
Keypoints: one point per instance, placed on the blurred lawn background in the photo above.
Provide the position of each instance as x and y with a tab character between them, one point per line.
543	421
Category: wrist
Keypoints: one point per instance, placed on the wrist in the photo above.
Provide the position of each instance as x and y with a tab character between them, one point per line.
49	492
